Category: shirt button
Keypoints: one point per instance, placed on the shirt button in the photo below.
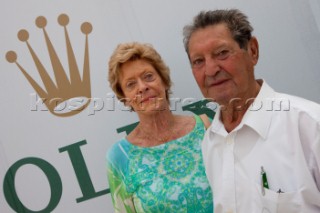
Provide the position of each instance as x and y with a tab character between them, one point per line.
229	140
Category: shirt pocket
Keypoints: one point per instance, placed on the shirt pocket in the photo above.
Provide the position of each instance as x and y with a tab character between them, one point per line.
275	202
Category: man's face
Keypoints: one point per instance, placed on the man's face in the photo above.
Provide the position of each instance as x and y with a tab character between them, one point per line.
222	70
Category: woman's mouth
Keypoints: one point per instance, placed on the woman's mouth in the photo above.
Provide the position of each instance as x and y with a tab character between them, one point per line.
147	99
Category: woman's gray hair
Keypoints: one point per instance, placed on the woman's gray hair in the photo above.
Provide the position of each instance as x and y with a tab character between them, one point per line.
235	20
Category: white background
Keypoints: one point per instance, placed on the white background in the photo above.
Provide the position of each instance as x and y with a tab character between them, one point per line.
289	37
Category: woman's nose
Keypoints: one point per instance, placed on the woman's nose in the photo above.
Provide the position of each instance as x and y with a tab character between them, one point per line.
142	86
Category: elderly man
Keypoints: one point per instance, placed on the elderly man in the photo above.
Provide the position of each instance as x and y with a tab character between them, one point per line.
262	151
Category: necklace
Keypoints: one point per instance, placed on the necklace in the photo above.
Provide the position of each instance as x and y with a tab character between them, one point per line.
161	138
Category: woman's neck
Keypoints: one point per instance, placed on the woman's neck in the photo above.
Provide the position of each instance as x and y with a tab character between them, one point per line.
157	122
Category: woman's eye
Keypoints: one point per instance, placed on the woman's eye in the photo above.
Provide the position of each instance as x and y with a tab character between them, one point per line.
130	85
149	77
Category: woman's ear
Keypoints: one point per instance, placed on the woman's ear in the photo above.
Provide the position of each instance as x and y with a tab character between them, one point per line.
126	103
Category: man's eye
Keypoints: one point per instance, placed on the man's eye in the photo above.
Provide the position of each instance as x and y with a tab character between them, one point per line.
197	62
223	54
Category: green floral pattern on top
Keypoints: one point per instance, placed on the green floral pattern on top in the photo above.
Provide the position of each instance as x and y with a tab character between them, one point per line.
168	178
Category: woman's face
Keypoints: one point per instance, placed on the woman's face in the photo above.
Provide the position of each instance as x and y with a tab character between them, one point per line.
142	86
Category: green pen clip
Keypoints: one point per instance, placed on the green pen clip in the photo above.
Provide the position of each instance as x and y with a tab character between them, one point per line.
264	181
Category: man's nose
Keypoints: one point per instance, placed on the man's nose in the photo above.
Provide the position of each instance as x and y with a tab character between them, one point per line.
212	67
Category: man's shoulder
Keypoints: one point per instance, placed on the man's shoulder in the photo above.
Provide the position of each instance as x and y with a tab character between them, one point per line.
299	105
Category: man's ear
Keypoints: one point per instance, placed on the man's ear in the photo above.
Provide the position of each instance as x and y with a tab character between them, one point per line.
253	49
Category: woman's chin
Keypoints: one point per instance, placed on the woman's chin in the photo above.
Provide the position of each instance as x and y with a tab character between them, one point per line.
150	108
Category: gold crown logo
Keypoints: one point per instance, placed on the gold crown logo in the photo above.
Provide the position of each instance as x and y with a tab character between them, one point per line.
65	88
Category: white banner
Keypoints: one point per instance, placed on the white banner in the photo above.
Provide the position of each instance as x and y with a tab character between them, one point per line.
58	115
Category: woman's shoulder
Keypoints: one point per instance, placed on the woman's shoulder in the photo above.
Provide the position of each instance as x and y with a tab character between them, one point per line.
186	123
205	120
195	119
117	150
185	118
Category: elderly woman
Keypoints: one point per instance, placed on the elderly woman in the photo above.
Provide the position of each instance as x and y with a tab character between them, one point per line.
158	167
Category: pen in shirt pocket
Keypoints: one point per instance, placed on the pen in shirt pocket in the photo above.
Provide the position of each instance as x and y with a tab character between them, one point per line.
264	181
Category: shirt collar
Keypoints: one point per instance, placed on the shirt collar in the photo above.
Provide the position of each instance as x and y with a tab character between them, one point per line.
258	116
217	125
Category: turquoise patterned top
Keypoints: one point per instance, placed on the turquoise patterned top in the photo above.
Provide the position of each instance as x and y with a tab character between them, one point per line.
166	178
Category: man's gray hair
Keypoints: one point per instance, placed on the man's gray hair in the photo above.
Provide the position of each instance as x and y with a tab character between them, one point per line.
236	21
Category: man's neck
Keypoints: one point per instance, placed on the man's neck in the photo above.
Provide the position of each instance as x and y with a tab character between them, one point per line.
231	116
233	112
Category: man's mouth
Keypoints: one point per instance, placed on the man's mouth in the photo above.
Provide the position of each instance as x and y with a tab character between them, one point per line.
216	83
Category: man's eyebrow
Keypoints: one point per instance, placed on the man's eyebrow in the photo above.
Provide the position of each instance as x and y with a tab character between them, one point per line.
220	46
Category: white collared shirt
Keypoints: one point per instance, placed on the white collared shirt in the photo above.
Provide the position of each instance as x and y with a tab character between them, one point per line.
280	133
